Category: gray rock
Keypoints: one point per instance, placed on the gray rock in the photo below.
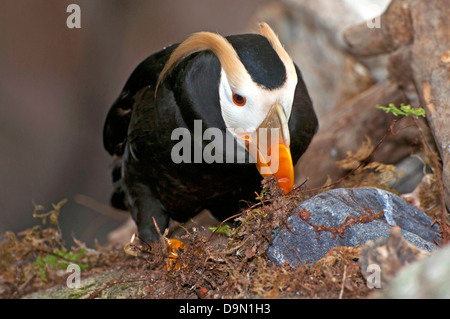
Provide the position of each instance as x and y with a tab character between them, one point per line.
425	279
304	241
412	169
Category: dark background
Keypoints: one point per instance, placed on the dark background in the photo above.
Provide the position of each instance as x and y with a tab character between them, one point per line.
57	84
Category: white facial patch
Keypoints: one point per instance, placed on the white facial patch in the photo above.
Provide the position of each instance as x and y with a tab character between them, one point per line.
259	101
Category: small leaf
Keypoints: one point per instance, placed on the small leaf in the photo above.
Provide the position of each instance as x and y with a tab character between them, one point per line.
54	217
263	192
224	230
404	110
39	262
51	260
42	275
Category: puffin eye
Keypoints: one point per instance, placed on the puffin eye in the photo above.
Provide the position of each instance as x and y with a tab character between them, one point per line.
239	100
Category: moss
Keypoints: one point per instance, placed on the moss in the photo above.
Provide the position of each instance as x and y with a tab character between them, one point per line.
231	263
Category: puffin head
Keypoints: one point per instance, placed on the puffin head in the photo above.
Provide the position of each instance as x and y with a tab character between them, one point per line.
256	92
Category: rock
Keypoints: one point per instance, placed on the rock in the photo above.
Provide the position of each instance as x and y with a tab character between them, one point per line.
412	172
347	129
428	278
425	195
312	31
122	234
344	88
348	217
389	255
108	285
418	55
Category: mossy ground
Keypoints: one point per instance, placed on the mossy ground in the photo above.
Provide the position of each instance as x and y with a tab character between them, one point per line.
33	263
210	266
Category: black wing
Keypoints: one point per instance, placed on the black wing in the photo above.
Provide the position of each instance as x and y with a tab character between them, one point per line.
115	130
118	118
303	123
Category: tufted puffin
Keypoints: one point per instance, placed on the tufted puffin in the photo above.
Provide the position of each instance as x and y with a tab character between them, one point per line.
200	123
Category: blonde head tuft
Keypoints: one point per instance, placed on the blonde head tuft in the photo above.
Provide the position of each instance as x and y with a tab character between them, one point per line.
202	41
266	31
229	59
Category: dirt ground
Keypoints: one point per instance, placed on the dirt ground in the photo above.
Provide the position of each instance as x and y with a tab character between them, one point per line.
228	261
229	265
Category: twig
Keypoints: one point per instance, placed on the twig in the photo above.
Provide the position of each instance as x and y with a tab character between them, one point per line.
142	239
260	198
162	238
437	171
341	293
224	221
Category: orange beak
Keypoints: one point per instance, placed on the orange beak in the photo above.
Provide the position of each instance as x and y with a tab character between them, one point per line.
269	145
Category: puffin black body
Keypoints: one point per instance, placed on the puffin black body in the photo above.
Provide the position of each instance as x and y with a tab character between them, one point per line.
139	128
